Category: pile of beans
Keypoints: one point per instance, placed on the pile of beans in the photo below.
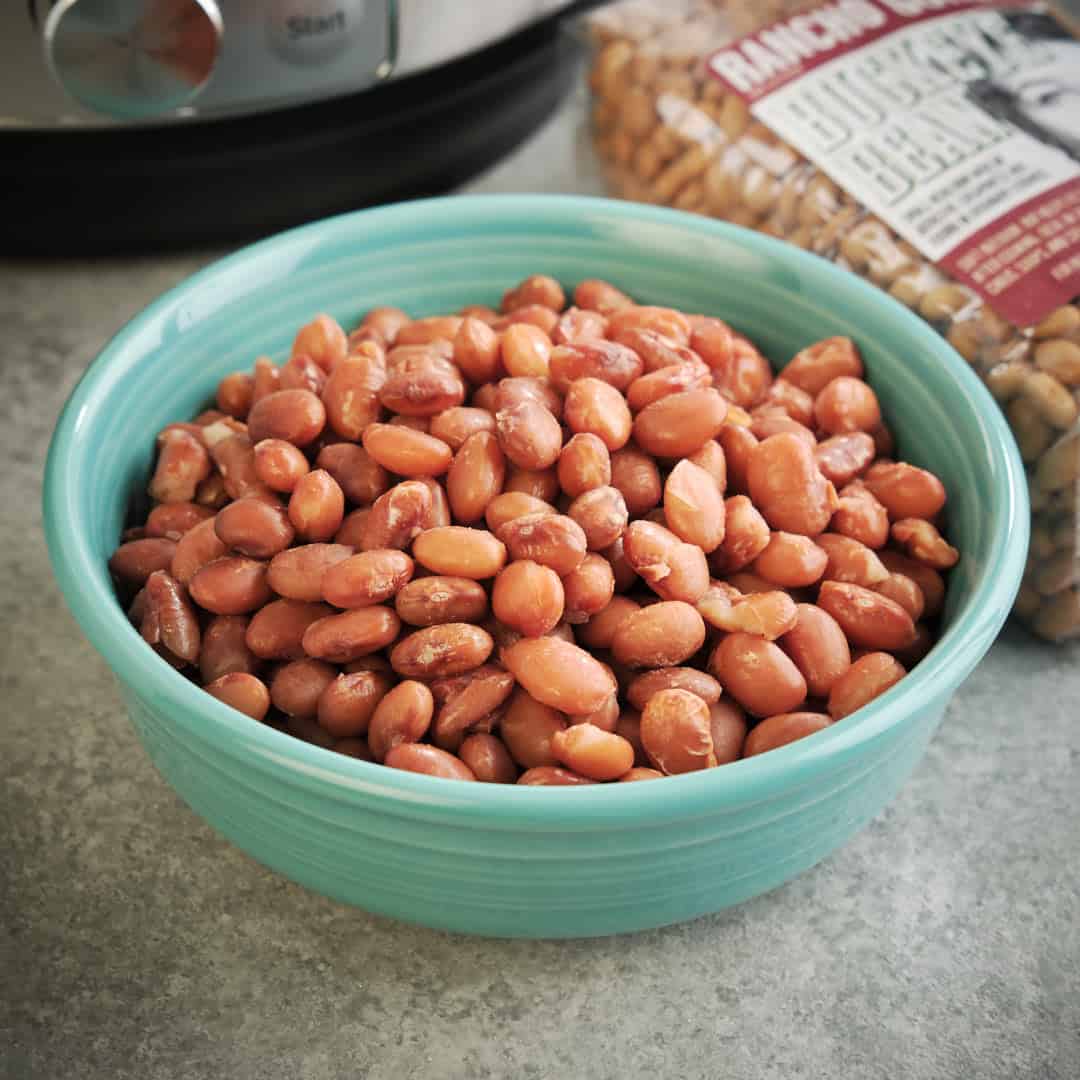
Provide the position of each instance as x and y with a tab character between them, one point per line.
547	545
669	133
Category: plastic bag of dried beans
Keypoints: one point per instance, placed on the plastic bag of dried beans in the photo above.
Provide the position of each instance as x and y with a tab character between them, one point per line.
932	146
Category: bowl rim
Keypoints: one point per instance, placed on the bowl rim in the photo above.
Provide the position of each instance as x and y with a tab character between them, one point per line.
320	771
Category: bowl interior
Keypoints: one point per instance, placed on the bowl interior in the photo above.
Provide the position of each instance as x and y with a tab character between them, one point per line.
435	256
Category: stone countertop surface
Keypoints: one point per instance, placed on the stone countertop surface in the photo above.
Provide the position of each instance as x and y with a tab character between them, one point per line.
135	944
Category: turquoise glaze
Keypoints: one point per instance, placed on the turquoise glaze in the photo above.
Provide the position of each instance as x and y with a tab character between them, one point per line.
503	860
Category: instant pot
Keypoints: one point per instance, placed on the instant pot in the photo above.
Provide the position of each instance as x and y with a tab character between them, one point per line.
139	124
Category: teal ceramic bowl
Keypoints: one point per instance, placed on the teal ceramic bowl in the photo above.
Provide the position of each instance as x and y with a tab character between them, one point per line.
495	860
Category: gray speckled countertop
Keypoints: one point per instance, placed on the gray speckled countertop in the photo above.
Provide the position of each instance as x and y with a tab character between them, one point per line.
943	942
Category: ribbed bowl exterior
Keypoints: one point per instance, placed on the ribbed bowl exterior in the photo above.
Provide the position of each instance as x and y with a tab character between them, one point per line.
483	858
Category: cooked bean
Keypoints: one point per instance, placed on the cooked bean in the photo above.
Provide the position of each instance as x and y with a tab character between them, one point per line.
584	464
905	592
297	686
426	330
553	540
784	728
924	543
758	674
552	776
595	407
746	535
243	692
788	488
643	686
860	516
296	416
559	674
579	324
386	321
602	516
457	551
347	704
169	622
660	635
323	340
371	577
398	516
361	478
636	476
588	588
535	289
712	459
351	393
297	573
472	701
441	599
476	351
476	476
595	295
522	388
316	507
428	760
791	561
278	464
403	715
727	722
230	586
307	729
767	614
680	424
182	465
172	520
774	421
930	582
599	630
254	528
443	649
529	435
422	387
488	758
673	378
851	561
265	379
904	490
300	372
846	404
591	752
694	507
526	350
606	360
235	393
344	637
676	732
817	645
456	424
407	452
234	456
867	678
527	728
673	569
528	597
276	631
843	457
870	620
224	648
542	484
133	562
605	718
640	773
813	368
738	444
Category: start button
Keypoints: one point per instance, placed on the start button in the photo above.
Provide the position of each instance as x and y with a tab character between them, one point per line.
313	31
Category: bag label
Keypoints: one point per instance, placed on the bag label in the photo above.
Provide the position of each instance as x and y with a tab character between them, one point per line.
956	123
